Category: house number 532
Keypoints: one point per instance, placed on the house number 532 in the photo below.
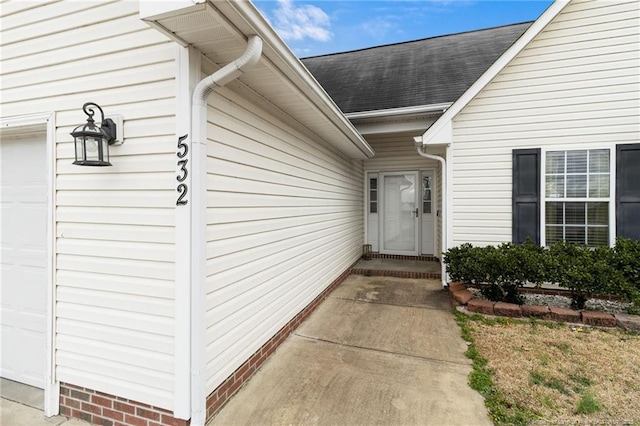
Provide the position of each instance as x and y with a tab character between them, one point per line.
182	188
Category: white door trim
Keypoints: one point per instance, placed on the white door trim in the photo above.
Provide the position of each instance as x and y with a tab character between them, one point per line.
381	208
26	124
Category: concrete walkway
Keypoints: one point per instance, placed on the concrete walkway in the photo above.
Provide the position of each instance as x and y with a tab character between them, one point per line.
16	414
378	351
23	405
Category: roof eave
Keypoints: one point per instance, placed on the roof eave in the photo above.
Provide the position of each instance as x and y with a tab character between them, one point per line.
243	16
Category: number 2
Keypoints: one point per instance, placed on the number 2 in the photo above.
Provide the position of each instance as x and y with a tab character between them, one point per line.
182	190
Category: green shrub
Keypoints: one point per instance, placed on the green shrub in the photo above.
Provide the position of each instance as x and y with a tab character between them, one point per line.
626	259
501	270
587	271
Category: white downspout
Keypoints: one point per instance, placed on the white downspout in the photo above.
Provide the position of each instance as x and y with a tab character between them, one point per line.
443	181
201	92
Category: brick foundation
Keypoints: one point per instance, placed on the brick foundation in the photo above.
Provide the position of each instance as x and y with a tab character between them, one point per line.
109	410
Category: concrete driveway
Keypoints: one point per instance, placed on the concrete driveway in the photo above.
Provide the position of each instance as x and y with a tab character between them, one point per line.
378	351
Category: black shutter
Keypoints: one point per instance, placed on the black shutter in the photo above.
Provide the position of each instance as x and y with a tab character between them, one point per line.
628	191
526	195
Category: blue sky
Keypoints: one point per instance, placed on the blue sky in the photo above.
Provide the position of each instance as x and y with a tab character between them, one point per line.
318	27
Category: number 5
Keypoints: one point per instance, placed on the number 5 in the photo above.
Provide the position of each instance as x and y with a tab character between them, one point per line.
183	146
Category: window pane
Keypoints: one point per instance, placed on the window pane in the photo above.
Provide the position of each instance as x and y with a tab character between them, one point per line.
373	195
576	161
599	161
598	213
574	213
599	186
554	214
373	207
575	234
555	162
597	236
555	186
426	207
554	234
577	186
373	183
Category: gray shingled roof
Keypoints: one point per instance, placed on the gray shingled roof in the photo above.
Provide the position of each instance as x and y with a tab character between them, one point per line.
422	72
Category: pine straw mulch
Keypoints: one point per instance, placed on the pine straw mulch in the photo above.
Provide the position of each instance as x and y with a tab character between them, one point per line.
550	369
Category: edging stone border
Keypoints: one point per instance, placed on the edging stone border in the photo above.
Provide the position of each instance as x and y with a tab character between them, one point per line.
460	295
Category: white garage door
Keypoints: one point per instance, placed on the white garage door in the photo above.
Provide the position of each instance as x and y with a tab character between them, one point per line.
23	279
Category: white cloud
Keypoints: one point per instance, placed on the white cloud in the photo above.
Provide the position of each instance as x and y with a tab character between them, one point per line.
379	27
295	22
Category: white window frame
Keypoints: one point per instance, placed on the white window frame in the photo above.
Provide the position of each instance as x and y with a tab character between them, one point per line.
612	187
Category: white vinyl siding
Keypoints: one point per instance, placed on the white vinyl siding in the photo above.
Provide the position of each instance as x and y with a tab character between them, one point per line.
575	85
114	228
284	214
397	152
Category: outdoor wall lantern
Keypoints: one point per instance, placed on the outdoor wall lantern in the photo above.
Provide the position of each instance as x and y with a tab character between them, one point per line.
92	141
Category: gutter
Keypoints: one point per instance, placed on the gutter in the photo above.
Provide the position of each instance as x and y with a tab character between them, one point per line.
445	211
201	92
391	112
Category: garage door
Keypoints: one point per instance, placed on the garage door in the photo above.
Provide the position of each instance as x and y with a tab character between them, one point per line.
23	280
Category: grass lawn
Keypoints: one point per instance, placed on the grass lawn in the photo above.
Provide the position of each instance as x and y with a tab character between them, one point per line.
534	372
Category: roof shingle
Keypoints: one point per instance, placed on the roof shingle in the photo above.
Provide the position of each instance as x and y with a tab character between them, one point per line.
422	72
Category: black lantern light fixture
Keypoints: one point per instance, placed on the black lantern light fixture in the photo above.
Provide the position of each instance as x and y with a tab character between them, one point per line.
92	141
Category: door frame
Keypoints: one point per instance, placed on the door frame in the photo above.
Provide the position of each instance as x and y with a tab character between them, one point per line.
39	123
381	207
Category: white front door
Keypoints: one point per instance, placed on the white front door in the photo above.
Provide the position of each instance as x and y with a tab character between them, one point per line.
399	213
23	258
428	211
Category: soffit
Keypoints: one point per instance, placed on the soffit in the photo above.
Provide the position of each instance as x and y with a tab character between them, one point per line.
220	30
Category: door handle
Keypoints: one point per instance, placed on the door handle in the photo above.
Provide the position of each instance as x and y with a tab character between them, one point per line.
416	212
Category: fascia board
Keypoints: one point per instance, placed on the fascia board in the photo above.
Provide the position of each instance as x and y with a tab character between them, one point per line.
442	128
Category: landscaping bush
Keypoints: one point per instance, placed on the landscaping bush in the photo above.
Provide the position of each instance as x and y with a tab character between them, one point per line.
626	259
503	269
500	271
585	271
